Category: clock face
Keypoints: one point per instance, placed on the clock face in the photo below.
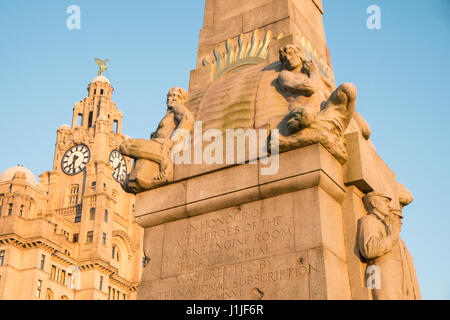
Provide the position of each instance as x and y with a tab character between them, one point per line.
119	165
75	160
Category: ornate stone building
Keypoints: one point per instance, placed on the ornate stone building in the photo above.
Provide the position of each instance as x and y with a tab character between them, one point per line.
73	235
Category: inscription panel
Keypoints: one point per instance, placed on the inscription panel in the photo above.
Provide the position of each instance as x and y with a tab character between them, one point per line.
254	231
241	253
279	277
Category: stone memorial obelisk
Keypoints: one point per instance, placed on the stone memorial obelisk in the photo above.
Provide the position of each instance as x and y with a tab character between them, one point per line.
280	194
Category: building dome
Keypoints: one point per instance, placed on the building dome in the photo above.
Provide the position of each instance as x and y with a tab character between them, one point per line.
10	173
102	79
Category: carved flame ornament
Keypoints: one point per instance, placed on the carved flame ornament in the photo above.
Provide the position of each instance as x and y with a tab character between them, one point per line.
313	55
244	54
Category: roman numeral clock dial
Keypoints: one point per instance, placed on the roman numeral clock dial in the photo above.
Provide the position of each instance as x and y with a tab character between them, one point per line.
119	165
75	160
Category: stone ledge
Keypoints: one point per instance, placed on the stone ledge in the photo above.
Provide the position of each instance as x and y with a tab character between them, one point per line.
300	169
366	170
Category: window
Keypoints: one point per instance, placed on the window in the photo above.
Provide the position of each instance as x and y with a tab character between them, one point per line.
80	120
116	126
106	215
53	273
21	211
49	295
42	262
10	209
92	214
2	257
62	278
100	286
78	213
90	237
115	253
76	238
101	91
91	116
73	195
39	288
69	280
95	91
104	239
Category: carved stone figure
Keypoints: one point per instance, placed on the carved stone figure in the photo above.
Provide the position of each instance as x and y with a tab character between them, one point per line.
153	165
317	115
380	244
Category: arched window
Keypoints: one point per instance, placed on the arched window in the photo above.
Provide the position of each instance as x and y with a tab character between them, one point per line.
49	295
116	126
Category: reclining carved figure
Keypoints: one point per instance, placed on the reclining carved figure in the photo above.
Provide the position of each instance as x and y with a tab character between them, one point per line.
317	115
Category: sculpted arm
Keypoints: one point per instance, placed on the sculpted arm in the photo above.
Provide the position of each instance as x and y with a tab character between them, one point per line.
166	126
297	83
371	244
185	117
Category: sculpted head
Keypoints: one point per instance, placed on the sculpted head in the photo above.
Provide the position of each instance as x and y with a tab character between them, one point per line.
291	57
377	202
176	96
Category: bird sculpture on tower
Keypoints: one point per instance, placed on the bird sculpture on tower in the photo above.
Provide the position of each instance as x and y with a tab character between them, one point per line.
102	65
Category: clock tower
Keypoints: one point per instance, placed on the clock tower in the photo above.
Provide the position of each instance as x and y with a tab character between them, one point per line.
85	192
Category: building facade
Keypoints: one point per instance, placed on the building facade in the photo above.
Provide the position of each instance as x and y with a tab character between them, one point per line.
72	235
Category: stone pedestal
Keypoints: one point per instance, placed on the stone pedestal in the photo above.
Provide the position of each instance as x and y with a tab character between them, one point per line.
235	234
230	232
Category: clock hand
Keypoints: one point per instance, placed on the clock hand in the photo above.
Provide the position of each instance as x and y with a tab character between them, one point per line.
75	158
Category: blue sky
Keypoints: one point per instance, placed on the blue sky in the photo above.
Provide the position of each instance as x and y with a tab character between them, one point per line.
401	71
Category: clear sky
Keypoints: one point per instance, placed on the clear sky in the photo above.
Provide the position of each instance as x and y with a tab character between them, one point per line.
401	71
